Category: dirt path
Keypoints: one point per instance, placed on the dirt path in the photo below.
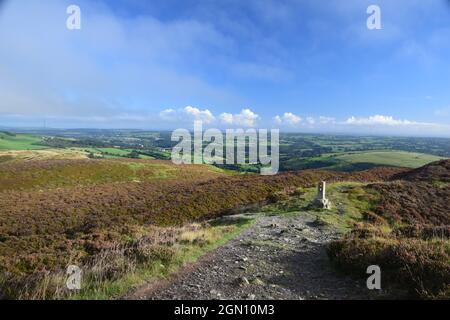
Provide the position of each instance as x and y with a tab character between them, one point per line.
278	257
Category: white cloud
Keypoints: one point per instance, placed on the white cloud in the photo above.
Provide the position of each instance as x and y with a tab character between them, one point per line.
383	121
188	113
277	119
246	118
204	115
288	118
226	118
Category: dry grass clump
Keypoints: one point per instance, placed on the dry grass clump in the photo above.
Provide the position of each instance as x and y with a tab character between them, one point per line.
159	246
421	267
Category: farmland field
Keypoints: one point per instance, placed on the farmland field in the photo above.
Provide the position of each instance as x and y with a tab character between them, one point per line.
368	159
10	141
297	151
390	158
354	161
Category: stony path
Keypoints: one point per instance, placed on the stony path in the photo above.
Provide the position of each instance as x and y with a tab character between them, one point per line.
276	258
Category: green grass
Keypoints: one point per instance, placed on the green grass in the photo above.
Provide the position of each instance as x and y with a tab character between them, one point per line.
70	173
111	153
355	161
349	200
19	142
389	158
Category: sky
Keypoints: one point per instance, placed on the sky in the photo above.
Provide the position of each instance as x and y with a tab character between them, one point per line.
296	65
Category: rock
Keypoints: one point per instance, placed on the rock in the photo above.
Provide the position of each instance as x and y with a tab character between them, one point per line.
251	297
244	259
243	281
243	268
272	225
257	282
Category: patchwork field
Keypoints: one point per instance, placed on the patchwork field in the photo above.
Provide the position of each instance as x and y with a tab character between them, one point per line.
389	158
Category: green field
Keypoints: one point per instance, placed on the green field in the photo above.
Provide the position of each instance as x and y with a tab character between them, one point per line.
113	153
389	158
354	161
10	141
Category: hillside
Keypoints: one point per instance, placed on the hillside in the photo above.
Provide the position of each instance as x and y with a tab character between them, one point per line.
52	174
92	207
433	172
406	232
83	207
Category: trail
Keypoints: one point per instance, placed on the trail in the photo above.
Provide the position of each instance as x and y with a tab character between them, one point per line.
278	257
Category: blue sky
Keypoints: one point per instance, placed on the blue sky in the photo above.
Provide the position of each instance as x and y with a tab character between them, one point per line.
297	65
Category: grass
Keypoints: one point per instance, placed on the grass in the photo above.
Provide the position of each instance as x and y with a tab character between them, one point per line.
348	202
389	158
404	231
356	161
43	154
112	153
70	173
185	246
9	141
83	207
412	248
